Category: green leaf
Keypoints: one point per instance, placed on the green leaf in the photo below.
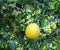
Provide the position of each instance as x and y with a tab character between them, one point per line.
29	8
4	34
14	0
12	45
54	5
44	48
44	22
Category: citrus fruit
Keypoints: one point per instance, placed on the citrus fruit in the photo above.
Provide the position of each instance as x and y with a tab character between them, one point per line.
32	31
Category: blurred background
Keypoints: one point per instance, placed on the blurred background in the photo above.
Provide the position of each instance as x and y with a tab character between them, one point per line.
15	15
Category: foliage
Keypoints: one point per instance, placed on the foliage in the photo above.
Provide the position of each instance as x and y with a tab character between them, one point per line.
15	15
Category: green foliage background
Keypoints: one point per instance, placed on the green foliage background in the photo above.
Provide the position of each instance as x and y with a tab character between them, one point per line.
15	15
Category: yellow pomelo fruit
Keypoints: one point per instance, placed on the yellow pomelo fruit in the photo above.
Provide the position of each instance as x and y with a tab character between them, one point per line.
32	31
